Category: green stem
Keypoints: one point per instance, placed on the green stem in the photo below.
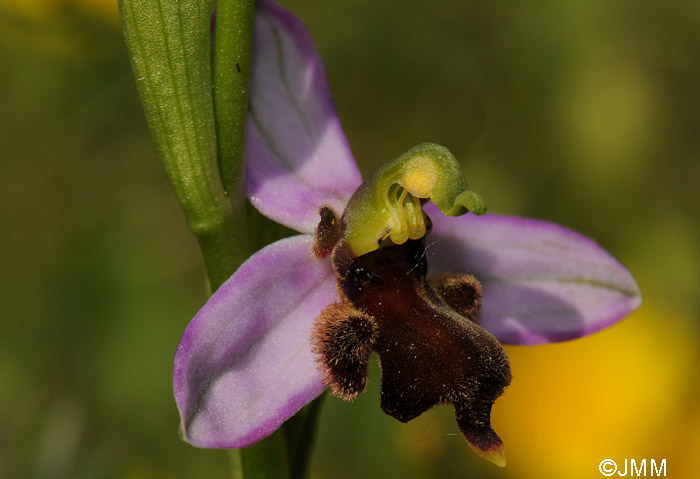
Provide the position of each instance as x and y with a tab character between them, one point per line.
233	41
255	462
300	433
221	258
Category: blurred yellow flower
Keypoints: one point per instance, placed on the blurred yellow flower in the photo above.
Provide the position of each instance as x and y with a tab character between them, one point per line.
46	10
626	393
57	26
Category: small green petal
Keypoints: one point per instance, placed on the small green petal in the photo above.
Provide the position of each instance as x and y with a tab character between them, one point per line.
387	205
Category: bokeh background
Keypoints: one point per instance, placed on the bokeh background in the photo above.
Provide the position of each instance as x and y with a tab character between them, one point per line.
583	112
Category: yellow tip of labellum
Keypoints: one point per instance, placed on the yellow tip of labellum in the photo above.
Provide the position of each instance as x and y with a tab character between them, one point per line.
495	454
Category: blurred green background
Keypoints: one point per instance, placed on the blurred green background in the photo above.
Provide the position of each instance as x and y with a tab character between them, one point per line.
583	112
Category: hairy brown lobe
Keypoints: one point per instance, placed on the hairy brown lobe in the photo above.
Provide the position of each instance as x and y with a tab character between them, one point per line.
461	291
429	353
328	232
344	338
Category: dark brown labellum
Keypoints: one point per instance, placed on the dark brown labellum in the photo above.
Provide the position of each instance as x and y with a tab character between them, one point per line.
431	351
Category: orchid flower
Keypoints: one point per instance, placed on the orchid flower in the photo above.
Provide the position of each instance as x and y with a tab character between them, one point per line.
391	265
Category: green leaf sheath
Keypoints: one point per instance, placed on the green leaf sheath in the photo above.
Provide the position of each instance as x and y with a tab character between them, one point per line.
169	47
